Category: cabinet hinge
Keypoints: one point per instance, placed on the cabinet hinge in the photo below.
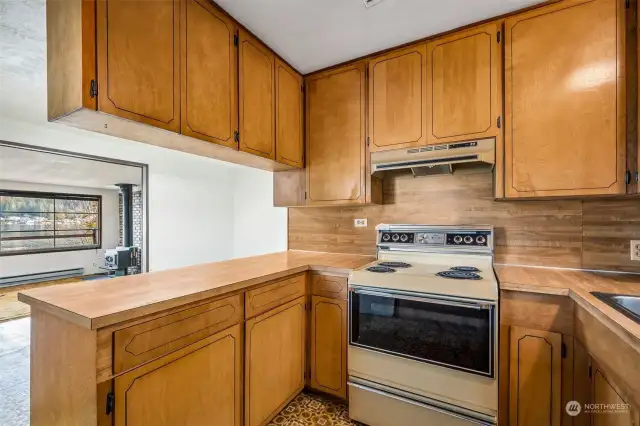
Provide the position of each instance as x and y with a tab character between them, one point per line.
590	372
111	402
235	40
627	4
367	140
498	36
499	122
563	350
627	177
236	136
93	90
305	195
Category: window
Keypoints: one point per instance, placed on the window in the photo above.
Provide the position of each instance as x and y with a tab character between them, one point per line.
39	222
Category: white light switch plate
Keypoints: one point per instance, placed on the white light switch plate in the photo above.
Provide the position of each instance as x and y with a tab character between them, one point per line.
635	249
360	223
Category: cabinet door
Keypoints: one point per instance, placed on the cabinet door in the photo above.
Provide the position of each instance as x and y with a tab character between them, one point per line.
565	100
138	61
289	115
535	377
257	97
336	139
397	99
209	74
196	385
604	391
464	95
329	345
274	361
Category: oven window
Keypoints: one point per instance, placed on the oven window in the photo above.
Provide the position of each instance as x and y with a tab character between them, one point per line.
453	336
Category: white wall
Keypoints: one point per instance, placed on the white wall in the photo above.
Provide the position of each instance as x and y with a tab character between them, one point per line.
258	227
44	262
190	197
200	209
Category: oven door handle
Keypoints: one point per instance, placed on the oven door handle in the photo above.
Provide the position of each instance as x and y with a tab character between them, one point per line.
446	302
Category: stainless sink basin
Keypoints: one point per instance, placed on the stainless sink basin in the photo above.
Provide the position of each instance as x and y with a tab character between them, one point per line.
627	305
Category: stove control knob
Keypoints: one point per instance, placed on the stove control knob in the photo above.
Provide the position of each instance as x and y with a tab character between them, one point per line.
386	237
480	239
468	239
395	237
404	238
457	239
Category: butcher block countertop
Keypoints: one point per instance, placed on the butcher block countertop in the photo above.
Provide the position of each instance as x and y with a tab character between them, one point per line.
98	304
578	285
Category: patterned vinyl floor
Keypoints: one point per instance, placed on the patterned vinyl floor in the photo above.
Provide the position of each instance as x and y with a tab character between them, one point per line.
310	409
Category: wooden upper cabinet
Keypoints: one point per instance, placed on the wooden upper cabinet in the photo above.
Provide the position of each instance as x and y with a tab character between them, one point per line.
535	377
196	385
464	97
289	116
397	99
138	60
257	97
209	74
336	139
565	100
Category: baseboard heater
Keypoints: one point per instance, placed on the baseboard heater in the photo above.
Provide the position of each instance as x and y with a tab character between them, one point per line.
17	280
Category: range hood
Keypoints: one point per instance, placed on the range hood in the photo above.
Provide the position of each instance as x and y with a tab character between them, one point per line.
461	157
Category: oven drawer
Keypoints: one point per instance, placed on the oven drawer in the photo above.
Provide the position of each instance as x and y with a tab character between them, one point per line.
376	407
151	339
273	295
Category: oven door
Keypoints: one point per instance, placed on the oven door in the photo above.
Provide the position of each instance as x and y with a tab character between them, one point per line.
450	332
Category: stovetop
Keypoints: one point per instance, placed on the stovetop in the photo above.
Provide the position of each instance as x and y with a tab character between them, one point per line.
439	274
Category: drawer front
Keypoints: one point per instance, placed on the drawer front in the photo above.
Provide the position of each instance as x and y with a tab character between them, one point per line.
272	295
329	286
149	340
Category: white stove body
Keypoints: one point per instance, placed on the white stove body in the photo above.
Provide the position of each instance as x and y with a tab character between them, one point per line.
397	387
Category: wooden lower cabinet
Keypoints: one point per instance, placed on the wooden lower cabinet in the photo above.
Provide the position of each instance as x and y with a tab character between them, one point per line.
604	391
196	385
275	357
329	345
535	377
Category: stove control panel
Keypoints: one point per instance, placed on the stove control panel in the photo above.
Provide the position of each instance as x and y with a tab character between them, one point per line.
478	239
436	238
398	237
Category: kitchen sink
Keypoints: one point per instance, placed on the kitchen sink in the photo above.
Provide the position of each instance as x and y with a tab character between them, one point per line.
625	304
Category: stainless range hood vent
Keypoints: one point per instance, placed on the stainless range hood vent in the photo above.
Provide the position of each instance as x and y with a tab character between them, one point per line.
463	157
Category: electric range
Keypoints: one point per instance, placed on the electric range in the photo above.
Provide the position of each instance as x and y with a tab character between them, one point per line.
423	322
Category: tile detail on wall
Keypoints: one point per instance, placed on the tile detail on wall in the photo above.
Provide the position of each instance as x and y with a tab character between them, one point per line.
548	232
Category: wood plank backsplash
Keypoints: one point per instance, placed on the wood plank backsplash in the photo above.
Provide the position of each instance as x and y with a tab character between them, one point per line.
592	234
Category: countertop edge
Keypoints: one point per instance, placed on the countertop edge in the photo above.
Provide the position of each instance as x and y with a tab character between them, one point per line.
98	322
57	311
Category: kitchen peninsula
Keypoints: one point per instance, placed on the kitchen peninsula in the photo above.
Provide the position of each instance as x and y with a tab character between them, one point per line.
150	348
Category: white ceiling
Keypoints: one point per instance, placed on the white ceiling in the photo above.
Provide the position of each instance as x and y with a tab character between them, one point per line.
22	165
314	34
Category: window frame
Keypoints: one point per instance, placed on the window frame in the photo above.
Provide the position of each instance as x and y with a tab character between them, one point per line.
54	196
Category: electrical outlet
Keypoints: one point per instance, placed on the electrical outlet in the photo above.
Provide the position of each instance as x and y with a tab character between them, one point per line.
635	249
360	223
